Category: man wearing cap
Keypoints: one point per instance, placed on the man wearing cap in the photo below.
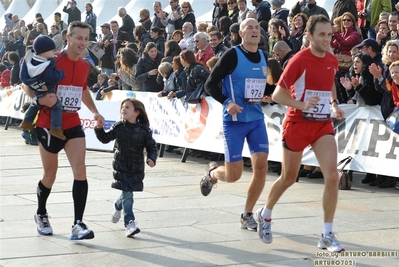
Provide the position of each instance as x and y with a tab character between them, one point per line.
309	8
370	47
73	12
235	38
107	60
57	21
188	36
279	12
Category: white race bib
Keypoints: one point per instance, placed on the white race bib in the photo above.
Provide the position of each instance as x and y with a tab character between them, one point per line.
254	90
321	112
70	97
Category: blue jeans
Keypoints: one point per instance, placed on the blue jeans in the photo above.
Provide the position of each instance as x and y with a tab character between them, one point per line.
371	33
125	202
56	114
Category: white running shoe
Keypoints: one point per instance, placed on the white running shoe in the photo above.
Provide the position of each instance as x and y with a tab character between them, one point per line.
248	222
43	224
264	227
330	243
115	216
132	229
79	231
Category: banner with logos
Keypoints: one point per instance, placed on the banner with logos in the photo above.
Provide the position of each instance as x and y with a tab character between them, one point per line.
363	134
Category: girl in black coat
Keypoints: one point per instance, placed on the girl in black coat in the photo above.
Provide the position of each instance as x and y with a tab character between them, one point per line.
132	134
147	68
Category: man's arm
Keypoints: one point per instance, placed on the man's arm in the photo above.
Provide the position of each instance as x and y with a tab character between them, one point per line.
88	101
48	100
225	65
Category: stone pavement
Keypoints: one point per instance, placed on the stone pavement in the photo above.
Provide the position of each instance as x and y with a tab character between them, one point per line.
180	227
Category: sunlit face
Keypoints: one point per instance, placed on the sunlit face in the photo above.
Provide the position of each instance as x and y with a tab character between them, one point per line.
357	65
231	5
393	21
186	29
183	62
392	53
157	7
54	30
298	22
273	29
177	37
277	54
175	66
152	53
383	28
321	38
48	54
200	43
100	80
87	8
242	6
154	35
185	8
214	41
77	41
250	32
114	27
395	74
128	112
347	22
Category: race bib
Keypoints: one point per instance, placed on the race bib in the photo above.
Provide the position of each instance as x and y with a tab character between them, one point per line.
254	90
70	97
321	112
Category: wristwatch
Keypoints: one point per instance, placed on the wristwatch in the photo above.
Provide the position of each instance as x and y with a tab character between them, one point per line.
35	100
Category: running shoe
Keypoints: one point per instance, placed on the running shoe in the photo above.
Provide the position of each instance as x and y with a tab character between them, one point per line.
132	229
79	231
264	227
248	222
116	215
330	243
207	182
43	224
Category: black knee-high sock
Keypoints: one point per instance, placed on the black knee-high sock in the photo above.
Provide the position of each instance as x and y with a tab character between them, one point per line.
79	194
42	196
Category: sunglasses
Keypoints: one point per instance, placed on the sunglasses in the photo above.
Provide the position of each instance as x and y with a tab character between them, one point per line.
230	4
346	20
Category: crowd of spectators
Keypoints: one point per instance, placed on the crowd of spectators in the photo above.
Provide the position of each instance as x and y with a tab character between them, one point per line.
171	53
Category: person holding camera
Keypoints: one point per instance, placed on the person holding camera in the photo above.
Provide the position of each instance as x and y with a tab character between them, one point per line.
73	12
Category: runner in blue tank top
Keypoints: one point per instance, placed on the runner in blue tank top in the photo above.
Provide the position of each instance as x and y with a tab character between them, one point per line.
243	70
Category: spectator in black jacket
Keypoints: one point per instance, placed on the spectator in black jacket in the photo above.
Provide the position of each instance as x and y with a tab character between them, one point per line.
127	23
280	13
147	68
342	6
220	10
73	12
262	10
13	58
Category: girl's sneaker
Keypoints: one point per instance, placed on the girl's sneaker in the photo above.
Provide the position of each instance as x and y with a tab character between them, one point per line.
132	229
115	216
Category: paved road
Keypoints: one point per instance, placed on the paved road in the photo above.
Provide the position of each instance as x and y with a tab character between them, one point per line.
180	227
